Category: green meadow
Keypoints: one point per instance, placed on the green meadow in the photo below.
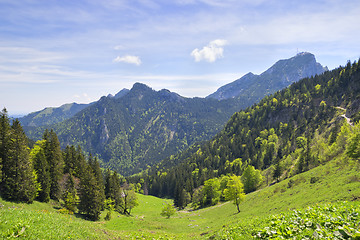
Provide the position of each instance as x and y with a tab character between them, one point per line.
332	183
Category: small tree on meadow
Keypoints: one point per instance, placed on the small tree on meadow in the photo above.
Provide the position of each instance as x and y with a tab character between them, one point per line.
168	210
128	199
235	191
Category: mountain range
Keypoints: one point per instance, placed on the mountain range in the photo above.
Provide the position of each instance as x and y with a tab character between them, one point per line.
139	127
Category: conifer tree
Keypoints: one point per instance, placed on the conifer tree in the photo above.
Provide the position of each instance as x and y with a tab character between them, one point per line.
41	168
56	165
112	187
90	200
18	176
74	161
70	195
4	143
69	159
0	171
95	165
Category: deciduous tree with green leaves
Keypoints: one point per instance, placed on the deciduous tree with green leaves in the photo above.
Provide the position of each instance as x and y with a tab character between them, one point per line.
251	179
168	210
41	168
353	147
234	191
128	199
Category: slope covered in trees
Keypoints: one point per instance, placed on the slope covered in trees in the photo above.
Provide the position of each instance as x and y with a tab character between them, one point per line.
45	172
142	127
277	133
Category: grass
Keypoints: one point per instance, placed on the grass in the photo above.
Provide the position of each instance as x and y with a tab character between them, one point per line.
42	221
336	181
332	182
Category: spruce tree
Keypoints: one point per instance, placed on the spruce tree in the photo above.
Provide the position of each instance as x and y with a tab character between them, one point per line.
90	198
112	188
95	166
70	195
69	159
74	161
54	158
18	177
4	144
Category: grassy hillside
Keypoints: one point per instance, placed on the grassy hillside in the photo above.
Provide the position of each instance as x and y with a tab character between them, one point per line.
43	221
338	180
335	181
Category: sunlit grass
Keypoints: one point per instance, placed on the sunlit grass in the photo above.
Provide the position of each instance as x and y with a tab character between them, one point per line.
333	182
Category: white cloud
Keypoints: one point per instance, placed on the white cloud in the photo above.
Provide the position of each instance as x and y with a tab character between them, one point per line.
128	59
211	52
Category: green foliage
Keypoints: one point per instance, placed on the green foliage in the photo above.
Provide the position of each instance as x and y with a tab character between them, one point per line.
74	161
55	161
168	210
109	204
234	191
95	166
128	200
41	167
211	191
329	221
71	199
277	172
251	179
91	202
42	221
198	198
353	147
18	178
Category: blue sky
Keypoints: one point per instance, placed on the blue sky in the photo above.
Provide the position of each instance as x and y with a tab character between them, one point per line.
60	51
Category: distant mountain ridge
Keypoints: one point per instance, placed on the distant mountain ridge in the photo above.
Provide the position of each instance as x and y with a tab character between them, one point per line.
280	75
52	115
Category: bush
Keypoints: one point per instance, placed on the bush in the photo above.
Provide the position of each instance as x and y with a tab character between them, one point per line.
168	210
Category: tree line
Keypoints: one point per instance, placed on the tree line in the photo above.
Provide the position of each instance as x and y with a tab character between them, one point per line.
44	172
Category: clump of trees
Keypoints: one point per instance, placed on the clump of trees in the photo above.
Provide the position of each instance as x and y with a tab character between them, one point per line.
44	171
226	188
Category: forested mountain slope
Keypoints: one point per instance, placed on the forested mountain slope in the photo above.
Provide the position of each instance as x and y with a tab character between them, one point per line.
251	88
142	127
279	132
